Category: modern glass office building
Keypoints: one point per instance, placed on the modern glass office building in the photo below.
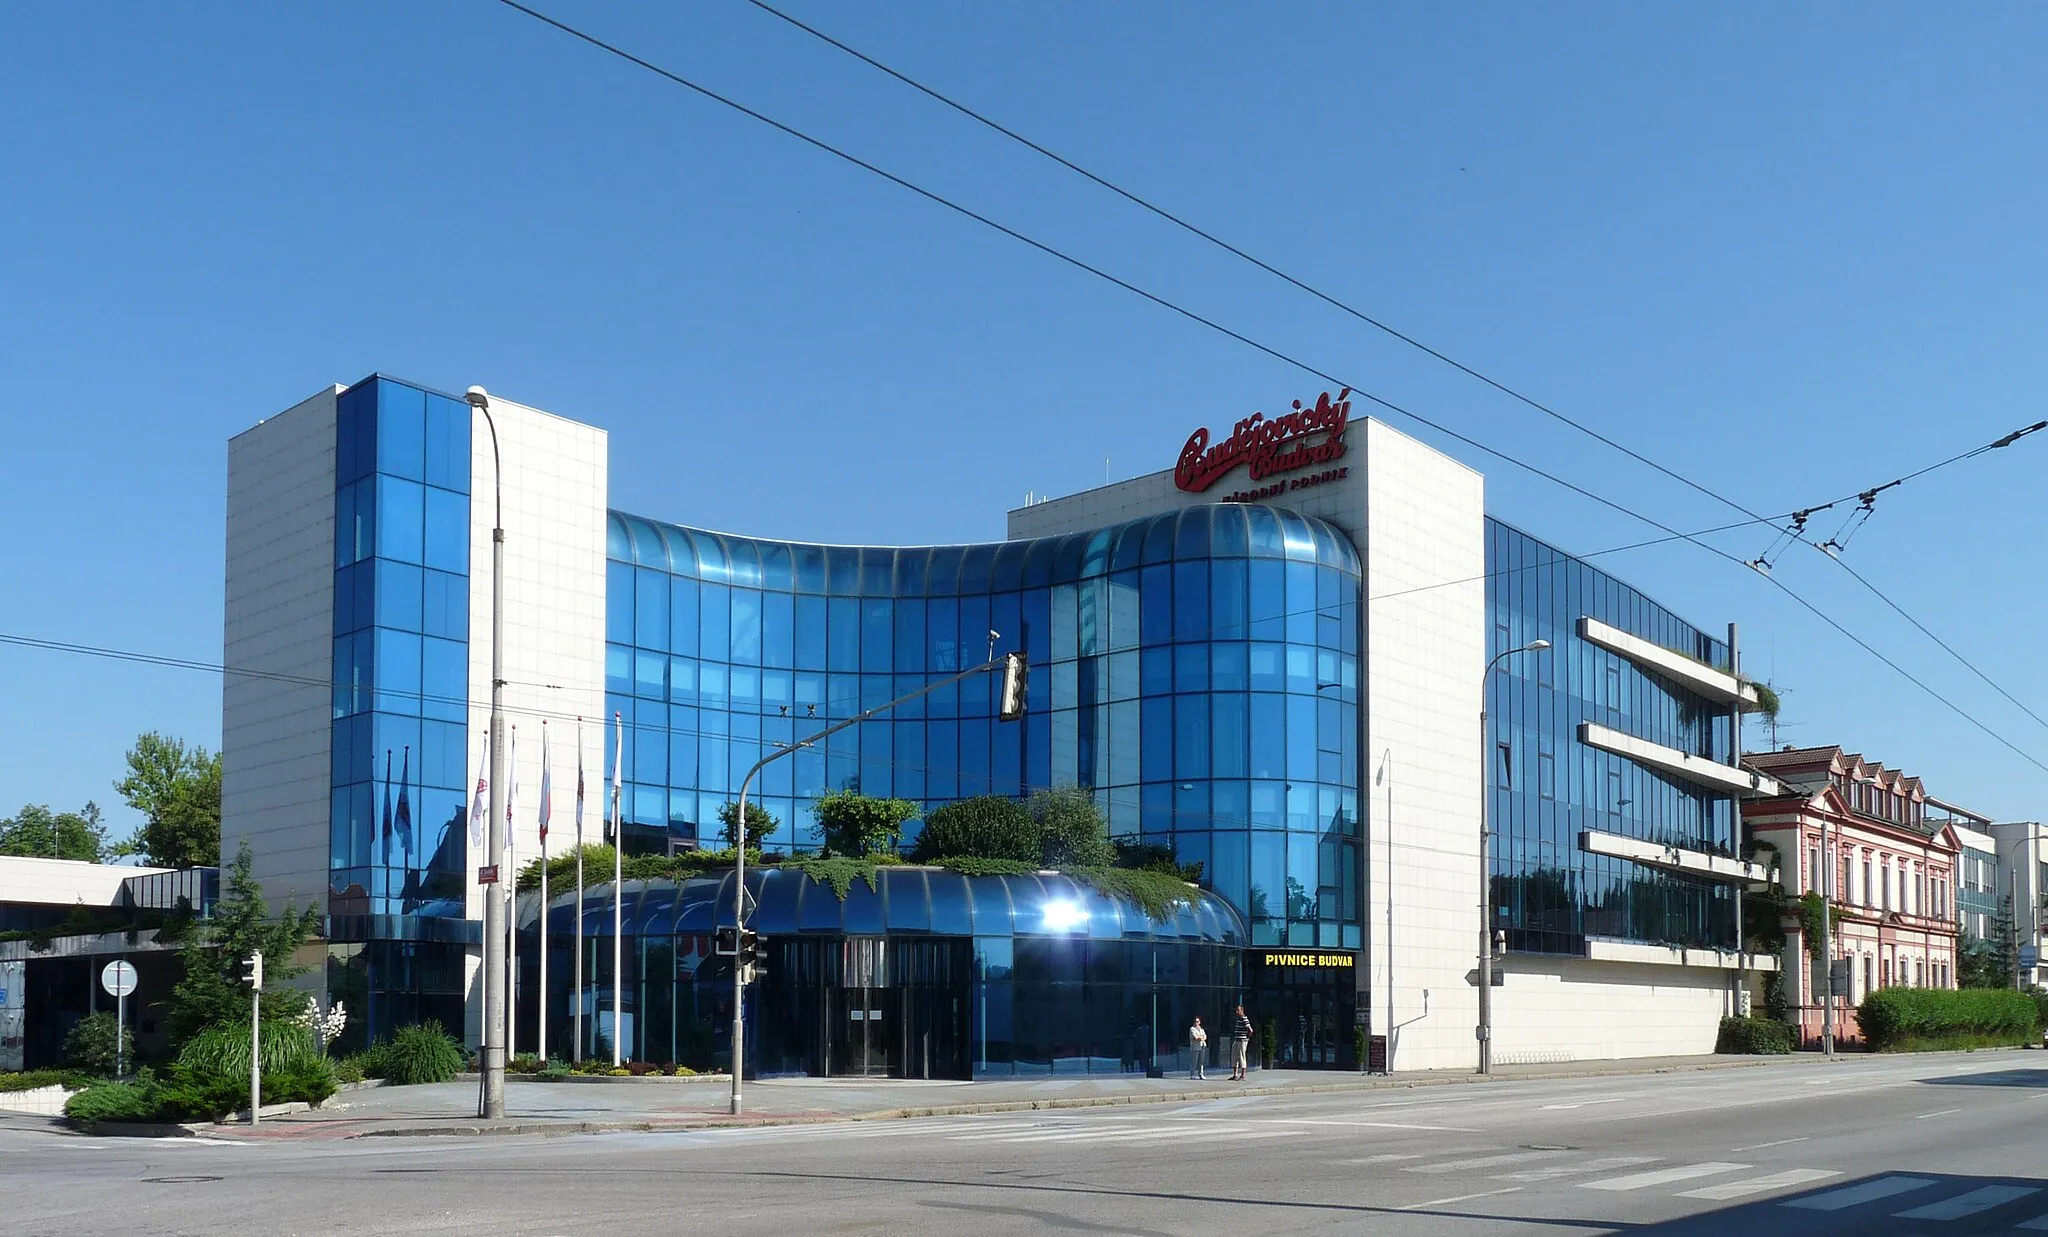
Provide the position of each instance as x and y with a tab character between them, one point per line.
1281	686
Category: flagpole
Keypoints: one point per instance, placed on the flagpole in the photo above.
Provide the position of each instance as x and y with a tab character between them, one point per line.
511	879
618	891
576	1048
547	792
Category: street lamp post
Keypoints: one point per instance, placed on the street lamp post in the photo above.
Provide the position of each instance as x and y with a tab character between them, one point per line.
1484	1032
492	1064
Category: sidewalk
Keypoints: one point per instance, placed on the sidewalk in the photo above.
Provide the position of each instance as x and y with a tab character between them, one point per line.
599	1106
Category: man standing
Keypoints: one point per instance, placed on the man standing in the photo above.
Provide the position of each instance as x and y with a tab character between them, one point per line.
1198	1049
1240	1044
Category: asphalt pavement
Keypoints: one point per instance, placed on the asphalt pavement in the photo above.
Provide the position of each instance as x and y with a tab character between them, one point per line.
1884	1146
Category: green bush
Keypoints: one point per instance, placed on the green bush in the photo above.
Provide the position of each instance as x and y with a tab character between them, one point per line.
1934	1017
420	1053
1753	1036
350	1069
90	1045
224	1049
38	1078
308	1082
555	1068
988	827
113	1101
523	1063
1071	828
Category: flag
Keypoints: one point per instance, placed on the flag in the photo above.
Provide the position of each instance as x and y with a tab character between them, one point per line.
618	775
511	782
579	782
401	822
385	843
479	808
547	787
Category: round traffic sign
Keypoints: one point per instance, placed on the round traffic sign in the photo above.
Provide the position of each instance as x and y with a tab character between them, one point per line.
118	978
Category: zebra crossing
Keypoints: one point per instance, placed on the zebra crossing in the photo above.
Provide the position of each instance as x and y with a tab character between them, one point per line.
1927	1199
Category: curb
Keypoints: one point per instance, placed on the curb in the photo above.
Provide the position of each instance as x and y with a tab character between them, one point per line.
1182	1097
1035	1105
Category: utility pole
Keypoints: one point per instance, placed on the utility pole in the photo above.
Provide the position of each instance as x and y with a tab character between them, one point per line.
1484	1031
496	921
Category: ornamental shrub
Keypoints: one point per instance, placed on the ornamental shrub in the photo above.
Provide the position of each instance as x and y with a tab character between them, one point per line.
39	1078
1072	830
1895	1018
89	1047
224	1049
420	1053
987	827
113	1101
1753	1036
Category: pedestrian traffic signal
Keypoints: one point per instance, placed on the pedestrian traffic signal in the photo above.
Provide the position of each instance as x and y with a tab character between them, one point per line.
752	958
725	941
1015	686
252	971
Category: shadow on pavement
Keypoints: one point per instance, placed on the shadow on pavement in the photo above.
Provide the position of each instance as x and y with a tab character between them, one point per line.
2035	1078
1875	1205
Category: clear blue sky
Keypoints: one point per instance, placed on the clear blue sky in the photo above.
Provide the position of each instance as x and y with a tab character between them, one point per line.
1788	253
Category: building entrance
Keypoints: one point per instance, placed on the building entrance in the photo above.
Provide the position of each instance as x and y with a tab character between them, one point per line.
1307	998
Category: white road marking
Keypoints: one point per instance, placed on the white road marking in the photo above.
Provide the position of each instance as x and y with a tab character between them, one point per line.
1664	1176
1391	1158
1586	1103
1968	1204
1485	1161
1757	1185
1457	1198
1782	1142
1853	1195
1943	1113
1607	1164
2038	1224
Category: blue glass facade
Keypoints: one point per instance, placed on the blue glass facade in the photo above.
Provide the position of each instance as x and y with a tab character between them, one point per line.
401	661
1197	669
965	976
1547	787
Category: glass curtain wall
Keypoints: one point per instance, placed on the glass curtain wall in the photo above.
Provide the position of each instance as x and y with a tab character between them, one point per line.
1547	787
1198	670
951	976
401	676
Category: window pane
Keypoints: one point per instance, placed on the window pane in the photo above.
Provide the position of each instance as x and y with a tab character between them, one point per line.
682	616
447	535
714	626
401	431
650	609
618	602
399	591
746	626
401	518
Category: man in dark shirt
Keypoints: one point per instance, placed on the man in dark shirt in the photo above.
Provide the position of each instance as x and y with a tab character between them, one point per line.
1240	1043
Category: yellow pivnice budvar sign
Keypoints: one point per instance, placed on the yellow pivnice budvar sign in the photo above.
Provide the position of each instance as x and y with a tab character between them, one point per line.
1285	959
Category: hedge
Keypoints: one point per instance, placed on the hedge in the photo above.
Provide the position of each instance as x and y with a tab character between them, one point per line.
1892	1017
182	1094
1753	1036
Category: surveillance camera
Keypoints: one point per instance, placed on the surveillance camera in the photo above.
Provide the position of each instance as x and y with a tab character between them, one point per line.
478	397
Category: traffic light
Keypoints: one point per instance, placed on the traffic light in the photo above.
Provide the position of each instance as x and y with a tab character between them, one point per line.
725	941
1015	686
252	971
752	958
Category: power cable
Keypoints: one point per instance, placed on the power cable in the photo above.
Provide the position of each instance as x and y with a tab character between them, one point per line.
1266	349
1764	562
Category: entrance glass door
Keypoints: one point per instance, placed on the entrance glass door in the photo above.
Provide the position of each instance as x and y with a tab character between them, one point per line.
864	1027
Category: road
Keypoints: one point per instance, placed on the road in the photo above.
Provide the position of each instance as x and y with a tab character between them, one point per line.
1948	1144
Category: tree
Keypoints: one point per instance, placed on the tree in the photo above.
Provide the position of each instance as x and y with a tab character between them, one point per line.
1071	827
177	790
760	823
857	825
1978	965
38	832
212	990
988	827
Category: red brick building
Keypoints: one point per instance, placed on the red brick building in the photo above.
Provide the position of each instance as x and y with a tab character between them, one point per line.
1858	834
